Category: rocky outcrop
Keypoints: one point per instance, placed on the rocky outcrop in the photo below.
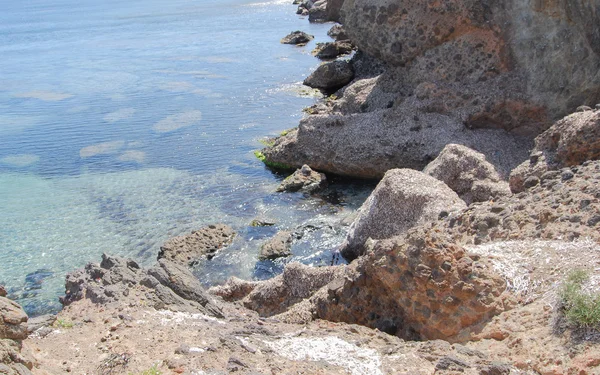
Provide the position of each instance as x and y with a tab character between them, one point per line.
403	199
318	11
13	320
189	249
417	286
331	50
467	173
279	246
569	142
330	76
115	280
275	296
337	32
297	38
304	179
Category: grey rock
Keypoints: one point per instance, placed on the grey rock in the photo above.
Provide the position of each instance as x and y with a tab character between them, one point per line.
277	247
33	324
331	50
297	37
583	108
331	76
337	32
531	181
318	12
403	199
468	173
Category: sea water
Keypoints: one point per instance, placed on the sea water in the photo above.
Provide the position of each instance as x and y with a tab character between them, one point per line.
124	123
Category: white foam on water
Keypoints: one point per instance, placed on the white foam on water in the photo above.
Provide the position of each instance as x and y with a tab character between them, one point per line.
330	349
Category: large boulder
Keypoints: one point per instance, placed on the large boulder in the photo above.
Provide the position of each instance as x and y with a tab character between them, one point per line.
318	12
297	37
331	50
403	199
279	246
330	76
467	172
569	142
13	320
190	248
546	43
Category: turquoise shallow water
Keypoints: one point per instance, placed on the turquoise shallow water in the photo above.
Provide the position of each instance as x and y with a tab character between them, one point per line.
125	123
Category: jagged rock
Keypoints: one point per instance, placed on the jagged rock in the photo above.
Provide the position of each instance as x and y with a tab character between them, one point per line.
569	142
2	291
333	10
12	360
417	286
337	32
318	12
330	76
13	320
277	247
467	172
276	295
170	285
188	249
297	37
332	50
403	199
303	179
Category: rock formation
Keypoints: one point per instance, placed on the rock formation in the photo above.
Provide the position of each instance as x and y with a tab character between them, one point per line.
404	198
569	142
330	76
278	246
467	173
13	329
304	179
188	249
297	38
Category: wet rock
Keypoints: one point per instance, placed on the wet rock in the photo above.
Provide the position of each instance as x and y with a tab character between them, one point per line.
468	173
330	76
303	179
277	247
337	32
188	249
297	38
569	142
13	320
403	199
331	50
261	223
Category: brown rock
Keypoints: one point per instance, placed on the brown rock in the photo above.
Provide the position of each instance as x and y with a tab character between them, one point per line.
277	247
2	291
188	249
403	199
297	37
13	320
303	179
468	173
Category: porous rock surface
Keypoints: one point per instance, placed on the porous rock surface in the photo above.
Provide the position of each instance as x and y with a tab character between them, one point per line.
13	329
331	50
188	249
330	76
569	142
468	173
403	199
304	179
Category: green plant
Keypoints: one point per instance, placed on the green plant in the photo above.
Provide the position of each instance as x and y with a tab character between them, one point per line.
63	323
581	308
151	371
286	132
268	142
271	164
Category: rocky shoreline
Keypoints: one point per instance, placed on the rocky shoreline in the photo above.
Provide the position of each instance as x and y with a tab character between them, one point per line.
488	200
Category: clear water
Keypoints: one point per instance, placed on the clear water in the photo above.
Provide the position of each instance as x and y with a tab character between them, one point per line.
125	123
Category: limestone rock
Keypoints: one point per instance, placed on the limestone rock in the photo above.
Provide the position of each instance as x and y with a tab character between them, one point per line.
417	286
188	249
13	320
277	247
318	12
569	142
303	179
330	76
337	32
297	37
468	173
33	324
331	50
403	199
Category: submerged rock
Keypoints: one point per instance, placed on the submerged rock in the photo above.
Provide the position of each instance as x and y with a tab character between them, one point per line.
570	141
331	76
278	246
188	249
297	37
304	179
403	199
468	173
